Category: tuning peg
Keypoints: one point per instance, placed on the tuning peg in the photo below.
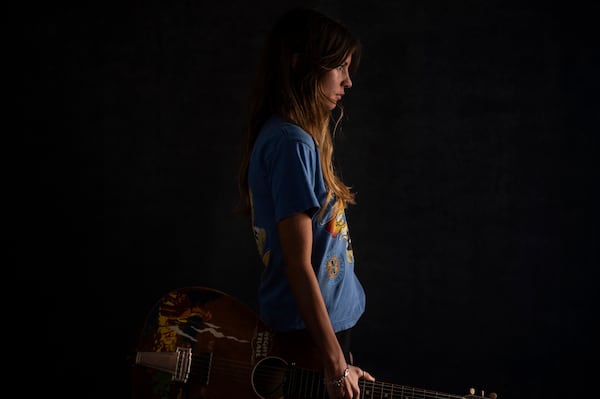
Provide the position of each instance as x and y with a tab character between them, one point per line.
492	394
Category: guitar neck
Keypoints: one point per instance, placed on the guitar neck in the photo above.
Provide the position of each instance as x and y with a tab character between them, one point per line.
309	384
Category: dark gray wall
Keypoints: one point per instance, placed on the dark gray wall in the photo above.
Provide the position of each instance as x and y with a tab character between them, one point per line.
470	138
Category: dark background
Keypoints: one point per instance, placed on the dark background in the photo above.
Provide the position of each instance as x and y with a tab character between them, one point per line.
470	137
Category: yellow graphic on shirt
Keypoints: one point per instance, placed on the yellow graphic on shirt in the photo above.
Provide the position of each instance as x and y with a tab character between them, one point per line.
338	226
260	236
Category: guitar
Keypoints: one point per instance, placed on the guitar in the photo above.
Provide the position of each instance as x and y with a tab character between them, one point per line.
201	343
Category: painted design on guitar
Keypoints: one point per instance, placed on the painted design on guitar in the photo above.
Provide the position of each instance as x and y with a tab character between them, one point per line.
177	316
213	330
261	344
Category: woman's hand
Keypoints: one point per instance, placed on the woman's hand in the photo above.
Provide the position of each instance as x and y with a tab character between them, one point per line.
346	385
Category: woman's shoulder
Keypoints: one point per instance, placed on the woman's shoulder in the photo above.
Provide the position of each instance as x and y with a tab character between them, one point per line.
277	128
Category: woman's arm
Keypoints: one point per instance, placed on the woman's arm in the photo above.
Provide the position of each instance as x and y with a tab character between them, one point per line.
295	234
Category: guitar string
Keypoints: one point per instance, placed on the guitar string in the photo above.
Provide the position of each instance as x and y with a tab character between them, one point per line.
204	365
377	388
240	370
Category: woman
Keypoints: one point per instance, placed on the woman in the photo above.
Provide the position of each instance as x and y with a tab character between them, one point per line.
295	200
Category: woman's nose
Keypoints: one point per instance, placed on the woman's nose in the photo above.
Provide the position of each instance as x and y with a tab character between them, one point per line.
347	82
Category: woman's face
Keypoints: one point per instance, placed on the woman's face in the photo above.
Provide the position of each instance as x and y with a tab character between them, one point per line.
334	83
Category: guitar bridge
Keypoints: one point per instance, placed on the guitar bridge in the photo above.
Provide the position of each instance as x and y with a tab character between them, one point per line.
183	359
178	363
183	365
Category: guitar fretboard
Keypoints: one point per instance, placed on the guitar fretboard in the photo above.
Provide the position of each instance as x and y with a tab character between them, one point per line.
309	384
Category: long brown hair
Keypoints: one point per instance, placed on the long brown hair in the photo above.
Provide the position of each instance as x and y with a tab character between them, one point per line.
301	48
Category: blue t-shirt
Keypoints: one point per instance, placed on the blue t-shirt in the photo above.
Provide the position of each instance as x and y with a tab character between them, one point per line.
285	178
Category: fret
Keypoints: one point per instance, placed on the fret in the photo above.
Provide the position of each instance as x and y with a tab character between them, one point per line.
291	377
314	384
382	390
301	384
306	383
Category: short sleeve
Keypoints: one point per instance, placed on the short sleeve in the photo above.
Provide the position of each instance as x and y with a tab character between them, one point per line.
293	178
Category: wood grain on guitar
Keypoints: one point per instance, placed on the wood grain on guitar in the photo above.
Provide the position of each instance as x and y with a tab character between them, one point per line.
201	343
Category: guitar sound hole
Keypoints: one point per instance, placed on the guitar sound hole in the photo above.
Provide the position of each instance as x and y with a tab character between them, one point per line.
269	378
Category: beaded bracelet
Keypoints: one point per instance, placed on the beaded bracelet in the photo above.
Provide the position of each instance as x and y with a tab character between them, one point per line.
338	381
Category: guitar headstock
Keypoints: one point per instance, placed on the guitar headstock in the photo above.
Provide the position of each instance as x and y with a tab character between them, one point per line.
472	395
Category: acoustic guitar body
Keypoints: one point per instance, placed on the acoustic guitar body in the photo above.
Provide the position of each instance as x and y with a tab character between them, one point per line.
201	343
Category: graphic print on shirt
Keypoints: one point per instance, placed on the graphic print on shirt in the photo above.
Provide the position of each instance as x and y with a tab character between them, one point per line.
338	228
333	267
260	237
